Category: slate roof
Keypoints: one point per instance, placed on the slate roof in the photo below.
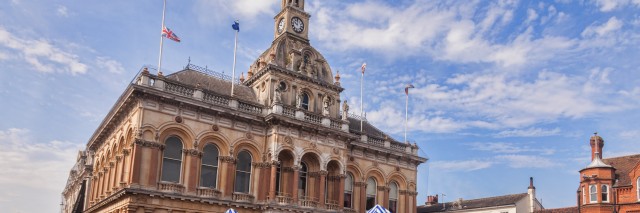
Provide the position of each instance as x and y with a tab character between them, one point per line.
213	84
369	129
623	166
475	203
573	209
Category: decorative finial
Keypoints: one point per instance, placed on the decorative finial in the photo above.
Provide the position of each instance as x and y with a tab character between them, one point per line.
189	61
337	76
242	77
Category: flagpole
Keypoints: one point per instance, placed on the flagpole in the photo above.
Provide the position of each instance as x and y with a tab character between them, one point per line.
233	73
406	116
164	7
361	99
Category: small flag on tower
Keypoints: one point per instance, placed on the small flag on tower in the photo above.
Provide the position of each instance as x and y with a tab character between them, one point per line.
166	32
406	89
364	67
236	26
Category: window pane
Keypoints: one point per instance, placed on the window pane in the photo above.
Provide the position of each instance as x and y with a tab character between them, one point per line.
393	190
593	194
371	186
347	199
242	182
393	206
173	148
210	155
605	193
208	176
371	202
244	162
348	183
170	170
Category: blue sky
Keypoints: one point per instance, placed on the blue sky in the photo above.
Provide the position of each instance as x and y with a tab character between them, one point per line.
505	90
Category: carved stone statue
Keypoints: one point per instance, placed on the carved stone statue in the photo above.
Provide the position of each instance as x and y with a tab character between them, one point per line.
277	99
299	99
325	106
345	110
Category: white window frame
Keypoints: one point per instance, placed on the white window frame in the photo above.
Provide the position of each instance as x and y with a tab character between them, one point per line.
349	180
217	166
181	160
593	193
608	192
584	195
250	172
638	187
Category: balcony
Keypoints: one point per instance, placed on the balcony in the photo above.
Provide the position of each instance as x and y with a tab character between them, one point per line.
308	202
284	199
208	192
242	197
332	205
171	187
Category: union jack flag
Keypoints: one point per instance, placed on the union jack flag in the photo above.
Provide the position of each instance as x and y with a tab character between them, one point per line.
166	32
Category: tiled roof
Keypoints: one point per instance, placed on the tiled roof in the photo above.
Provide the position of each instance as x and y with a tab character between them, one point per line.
573	209
213	84
623	166
369	129
475	203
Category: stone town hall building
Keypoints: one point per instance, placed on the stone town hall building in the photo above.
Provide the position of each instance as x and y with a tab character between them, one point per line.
283	142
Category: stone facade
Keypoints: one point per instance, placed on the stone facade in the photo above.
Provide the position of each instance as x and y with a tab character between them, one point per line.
279	143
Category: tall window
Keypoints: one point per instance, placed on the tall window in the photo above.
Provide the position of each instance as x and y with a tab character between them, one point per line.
393	197
302	184
209	168
243	172
593	194
305	101
584	196
605	193
278	177
348	191
172	160
372	187
638	188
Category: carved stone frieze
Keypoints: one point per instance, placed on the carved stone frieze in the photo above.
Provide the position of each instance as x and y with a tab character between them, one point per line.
149	144
192	152
227	159
261	165
323	173
126	151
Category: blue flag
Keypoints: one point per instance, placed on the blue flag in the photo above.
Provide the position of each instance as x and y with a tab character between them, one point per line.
236	26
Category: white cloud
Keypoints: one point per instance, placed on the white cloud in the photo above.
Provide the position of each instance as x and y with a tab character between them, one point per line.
110	65
530	132
32	171
508	148
42	55
465	166
389	118
62	11
514	103
527	161
610	5
444	31
244	10
613	24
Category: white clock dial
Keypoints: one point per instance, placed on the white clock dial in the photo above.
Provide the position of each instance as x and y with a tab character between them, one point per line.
281	26
297	24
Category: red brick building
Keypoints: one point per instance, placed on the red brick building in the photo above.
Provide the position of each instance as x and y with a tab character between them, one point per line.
607	185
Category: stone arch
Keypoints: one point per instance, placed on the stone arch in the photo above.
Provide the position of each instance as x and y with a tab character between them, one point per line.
376	174
180	130
399	178
312	159
216	139
249	147
128	137
356	171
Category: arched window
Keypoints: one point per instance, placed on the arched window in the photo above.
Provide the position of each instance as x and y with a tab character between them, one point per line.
209	167
172	160
348	191
305	101
243	172
302	184
393	197
638	188
605	193
372	188
593	194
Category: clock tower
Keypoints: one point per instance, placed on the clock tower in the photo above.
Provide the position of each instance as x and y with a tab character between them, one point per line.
292	20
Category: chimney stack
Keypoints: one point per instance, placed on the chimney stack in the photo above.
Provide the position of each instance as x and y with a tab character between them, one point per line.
431	200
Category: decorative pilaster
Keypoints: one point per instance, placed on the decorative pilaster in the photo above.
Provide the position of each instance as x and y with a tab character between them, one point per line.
272	184
341	192
323	179
363	195
296	179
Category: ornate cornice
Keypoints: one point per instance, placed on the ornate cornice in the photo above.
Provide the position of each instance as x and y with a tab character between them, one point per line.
227	159
149	144
192	152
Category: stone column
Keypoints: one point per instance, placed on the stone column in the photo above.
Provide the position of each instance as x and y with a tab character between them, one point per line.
272	183
385	195
363	196
296	182
137	161
341	192
229	162
323	180
193	159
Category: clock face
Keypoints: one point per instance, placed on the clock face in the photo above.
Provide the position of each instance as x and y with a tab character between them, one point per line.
281	26
297	24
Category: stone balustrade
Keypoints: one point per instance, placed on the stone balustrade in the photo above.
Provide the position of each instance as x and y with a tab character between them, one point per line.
308	202
171	187
208	192
242	197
